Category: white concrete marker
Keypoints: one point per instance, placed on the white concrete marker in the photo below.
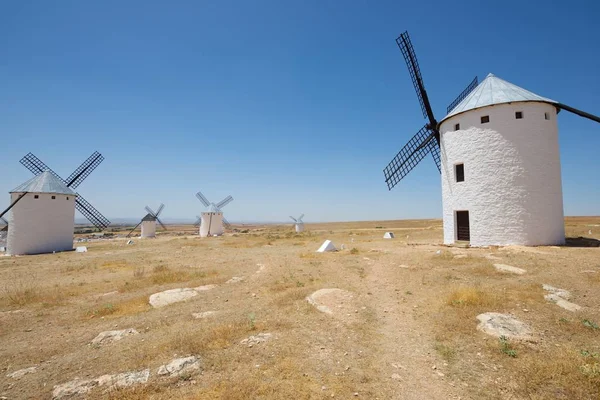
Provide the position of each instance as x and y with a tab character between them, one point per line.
326	246
389	235
81	249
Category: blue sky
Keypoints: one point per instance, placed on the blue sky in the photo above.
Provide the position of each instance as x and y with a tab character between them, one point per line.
291	107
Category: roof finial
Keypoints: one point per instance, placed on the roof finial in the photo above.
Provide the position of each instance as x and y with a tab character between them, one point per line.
490	75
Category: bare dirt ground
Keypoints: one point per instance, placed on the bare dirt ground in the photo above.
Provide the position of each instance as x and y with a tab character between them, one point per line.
403	325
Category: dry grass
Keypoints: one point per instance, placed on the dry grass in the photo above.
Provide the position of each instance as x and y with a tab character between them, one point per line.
472	297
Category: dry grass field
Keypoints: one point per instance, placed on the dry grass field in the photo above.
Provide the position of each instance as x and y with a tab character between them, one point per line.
408	330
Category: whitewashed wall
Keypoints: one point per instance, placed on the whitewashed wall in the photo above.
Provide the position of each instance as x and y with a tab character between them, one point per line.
512	187
41	225
148	229
212	221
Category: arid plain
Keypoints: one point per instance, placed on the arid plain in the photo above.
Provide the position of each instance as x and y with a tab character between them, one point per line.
403	325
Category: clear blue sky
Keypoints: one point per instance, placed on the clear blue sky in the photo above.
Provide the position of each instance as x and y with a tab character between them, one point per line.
290	106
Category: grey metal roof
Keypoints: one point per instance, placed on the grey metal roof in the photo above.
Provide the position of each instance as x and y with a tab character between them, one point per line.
149	217
493	90
44	183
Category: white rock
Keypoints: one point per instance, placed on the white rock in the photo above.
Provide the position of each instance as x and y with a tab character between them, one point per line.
113	336
171	296
389	235
180	366
253	340
509	268
81	249
80	386
205	288
562	303
22	372
202	315
562	293
327	246
497	325
235	279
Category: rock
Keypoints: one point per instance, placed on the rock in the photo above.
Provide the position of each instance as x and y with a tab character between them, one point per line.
327	246
171	296
325	299
235	279
260	338
81	249
562	303
509	268
205	288
113	336
497	325
562	293
202	315
389	235
80	386
180	366
18	374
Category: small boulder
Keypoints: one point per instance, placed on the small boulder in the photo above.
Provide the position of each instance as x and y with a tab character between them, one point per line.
180	366
18	374
256	339
81	249
78	386
496	324
113	336
171	296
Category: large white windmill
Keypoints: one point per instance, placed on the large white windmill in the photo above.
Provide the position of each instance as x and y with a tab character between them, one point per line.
211	221
149	221
298	223
497	151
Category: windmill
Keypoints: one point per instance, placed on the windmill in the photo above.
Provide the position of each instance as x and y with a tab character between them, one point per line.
149	221
211	222
298	223
36	166
497	152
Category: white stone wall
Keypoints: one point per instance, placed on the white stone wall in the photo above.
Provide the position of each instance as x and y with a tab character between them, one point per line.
212	221
41	225
148	229
512	187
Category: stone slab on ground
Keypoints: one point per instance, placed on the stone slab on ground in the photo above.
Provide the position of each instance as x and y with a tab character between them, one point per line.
22	372
562	293
256	339
113	336
509	268
204	288
180	366
78	386
204	314
171	296
497	324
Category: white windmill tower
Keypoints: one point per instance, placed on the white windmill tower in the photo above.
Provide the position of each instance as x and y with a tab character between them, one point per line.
211	221
298	223
499	160
148	223
43	216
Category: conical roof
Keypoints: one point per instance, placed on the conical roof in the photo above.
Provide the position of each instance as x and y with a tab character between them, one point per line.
45	182
149	217
493	90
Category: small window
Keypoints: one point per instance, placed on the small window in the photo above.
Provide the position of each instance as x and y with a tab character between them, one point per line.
457	127
35	196
53	197
546	116
519	115
485	119
459	172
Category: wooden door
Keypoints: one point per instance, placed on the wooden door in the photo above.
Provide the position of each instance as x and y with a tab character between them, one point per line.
462	226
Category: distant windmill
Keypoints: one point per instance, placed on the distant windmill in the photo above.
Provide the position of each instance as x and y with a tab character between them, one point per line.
36	166
148	223
212	221
497	151
298	223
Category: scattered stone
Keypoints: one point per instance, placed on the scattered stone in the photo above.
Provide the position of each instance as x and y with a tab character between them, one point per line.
130	242
180	366
22	372
202	315
81	249
113	336
389	235
497	325
261	268
509	268
560	297
324	299
562	303
562	293
327	246
235	279
81	386
171	296
260	338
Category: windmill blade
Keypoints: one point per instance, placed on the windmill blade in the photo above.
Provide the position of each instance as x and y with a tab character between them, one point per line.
224	202
434	147
295	220
408	157
5	222
408	52
161	224
92	215
36	166
203	199
578	112
12	205
134	228
150	211
463	94
226	223
160	208
84	170
300	217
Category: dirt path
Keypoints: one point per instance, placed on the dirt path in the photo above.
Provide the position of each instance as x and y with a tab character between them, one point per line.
408	358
